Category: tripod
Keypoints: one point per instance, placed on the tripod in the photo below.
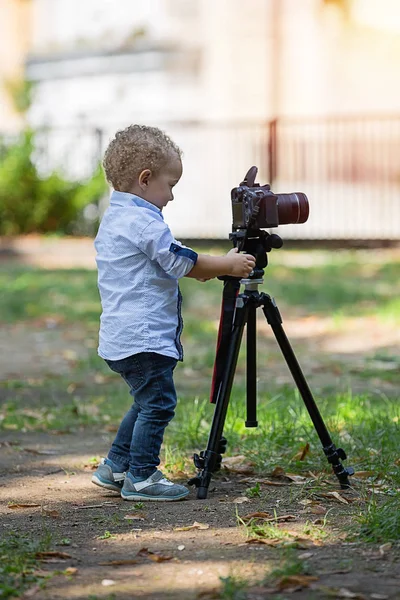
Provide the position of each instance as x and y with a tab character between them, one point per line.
244	312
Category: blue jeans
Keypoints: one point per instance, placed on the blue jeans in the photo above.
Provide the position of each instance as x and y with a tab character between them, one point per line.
138	441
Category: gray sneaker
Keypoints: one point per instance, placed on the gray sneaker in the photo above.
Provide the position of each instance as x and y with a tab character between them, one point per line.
156	488
106	478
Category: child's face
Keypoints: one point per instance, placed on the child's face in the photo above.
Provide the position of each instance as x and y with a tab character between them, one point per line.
157	189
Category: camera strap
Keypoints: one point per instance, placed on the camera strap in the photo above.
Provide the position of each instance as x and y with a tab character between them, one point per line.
229	295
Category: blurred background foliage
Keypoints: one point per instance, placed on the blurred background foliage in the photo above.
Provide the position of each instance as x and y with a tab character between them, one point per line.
32	202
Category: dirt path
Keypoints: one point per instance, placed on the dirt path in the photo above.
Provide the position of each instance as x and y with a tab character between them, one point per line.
49	252
49	470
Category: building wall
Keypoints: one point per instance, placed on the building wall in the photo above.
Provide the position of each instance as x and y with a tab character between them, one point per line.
15	27
207	60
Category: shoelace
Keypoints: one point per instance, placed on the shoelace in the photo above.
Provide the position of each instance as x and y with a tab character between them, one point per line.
165	480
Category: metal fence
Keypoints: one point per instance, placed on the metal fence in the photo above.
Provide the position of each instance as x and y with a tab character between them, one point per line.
349	167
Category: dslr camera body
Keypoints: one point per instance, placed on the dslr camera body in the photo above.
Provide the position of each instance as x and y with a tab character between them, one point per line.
255	206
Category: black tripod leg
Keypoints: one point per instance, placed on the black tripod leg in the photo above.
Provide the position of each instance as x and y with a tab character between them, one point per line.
333	454
208	460
251	366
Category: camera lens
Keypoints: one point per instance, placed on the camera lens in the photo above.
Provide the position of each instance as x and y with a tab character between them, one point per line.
292	208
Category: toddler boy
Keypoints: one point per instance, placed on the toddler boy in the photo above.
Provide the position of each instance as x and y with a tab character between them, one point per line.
139	264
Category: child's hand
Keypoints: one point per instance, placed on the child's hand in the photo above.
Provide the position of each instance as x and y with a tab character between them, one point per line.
241	265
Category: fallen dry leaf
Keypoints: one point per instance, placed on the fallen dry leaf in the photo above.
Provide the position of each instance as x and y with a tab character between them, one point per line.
13	506
305	555
91	466
278	472
35	414
240	500
118	563
345	593
195	525
379	482
134	517
267	517
364	474
385	548
298	479
257	515
275	483
93	506
335	572
154	556
317	509
234	460
267	542
295	582
47	512
302	453
337	496
70	571
284	518
304	543
238	464
42	573
52	555
34	451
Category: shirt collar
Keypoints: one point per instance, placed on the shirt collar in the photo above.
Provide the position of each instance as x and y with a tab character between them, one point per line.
124	199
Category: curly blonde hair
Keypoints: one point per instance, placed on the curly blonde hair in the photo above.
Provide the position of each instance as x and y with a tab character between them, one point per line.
134	149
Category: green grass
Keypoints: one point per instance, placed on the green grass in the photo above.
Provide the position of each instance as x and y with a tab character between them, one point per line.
233	588
380	521
367	426
18	563
29	293
340	282
290	564
337	285
349	288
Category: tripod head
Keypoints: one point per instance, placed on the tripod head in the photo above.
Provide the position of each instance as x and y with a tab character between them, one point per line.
258	243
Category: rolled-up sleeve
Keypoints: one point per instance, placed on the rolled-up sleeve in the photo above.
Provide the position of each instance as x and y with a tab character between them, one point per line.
158	243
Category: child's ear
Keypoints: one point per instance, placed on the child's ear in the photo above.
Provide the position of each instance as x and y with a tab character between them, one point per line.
144	178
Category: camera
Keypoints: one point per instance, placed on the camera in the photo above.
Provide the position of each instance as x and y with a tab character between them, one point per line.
257	207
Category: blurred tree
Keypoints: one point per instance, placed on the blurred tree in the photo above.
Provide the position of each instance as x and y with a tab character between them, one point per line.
20	91
30	203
